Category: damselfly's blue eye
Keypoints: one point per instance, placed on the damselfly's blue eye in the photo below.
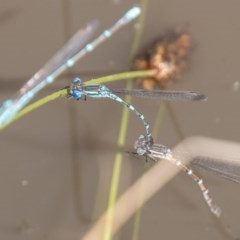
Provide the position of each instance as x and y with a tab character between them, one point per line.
76	80
76	94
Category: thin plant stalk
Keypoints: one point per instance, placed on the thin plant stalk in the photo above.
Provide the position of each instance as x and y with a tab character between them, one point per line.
122	136
138	35
63	92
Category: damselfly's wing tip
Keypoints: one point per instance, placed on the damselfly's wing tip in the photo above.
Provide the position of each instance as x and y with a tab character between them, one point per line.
200	97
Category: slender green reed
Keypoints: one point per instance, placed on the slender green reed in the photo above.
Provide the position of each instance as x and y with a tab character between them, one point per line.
141	21
63	92
122	133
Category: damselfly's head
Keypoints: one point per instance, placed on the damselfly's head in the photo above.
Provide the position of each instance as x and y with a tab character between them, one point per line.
143	144
75	89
